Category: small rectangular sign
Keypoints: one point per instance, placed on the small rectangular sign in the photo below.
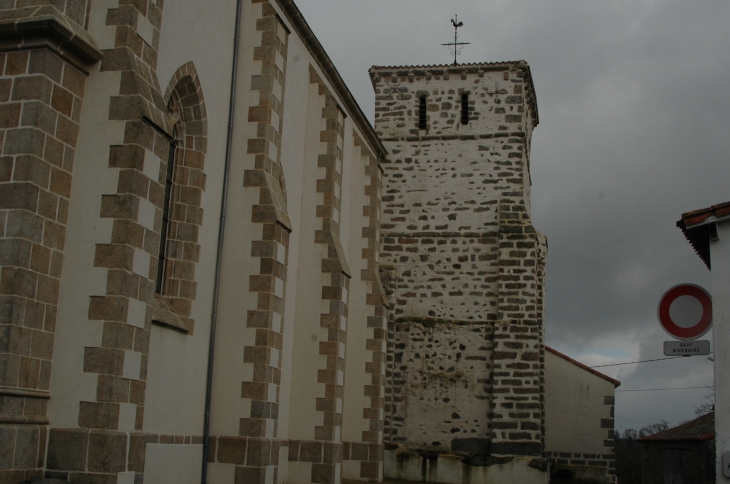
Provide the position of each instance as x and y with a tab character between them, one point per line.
686	348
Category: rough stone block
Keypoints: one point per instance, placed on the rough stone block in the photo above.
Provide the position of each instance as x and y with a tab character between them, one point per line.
26	447
62	101
24	224
323	473
17	63
258	453
74	80
232	450
24	141
516	448
43	61
14	252
18	281
32	87
67	449
39	115
7	446
107	451
472	446
67	131
104	360
9	115
250	475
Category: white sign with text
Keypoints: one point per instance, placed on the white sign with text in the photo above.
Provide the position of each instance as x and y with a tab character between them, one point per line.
686	348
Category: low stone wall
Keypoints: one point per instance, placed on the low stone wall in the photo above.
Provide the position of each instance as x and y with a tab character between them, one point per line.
403	465
595	466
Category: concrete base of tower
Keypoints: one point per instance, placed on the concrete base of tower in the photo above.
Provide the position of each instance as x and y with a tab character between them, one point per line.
407	466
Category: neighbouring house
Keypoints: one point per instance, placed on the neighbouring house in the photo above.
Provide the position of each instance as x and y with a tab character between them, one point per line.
708	231
681	455
579	418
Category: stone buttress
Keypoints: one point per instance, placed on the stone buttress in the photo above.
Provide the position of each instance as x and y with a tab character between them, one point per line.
464	270
45	57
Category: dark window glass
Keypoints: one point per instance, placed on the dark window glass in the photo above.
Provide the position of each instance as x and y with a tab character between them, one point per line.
165	219
465	108
422	113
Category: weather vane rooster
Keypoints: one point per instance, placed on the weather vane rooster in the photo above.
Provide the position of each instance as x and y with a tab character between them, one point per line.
456	46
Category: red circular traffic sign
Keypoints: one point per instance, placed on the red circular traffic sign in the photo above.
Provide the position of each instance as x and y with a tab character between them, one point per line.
685	311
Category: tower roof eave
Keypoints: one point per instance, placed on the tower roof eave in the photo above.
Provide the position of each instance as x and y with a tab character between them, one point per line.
474	67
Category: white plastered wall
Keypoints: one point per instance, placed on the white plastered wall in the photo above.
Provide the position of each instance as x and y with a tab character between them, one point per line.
177	363
720	257
294	153
574	407
92	178
176	378
235	299
357	331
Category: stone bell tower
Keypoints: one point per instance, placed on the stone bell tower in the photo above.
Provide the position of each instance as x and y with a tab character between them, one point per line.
464	269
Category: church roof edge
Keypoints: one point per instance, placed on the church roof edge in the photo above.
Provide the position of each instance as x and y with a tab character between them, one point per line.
302	28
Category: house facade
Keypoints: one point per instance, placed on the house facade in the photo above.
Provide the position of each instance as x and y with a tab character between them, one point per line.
708	231
683	454
579	409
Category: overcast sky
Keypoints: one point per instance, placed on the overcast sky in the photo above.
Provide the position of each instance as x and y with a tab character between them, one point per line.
634	130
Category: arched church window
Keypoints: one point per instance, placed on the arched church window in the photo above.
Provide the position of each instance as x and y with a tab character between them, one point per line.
182	182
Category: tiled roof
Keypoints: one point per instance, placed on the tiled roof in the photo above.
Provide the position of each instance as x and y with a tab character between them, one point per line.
701	428
699	235
456	66
581	365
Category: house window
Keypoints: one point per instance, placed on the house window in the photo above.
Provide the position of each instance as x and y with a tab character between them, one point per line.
166	209
465	108
422	113
673	466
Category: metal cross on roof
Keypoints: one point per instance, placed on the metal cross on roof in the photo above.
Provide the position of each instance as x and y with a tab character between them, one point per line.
456	46
497	91
397	89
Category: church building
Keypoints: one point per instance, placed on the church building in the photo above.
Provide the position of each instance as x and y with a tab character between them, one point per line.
214	269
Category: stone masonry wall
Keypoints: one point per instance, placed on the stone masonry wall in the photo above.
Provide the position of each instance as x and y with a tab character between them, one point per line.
41	92
462	263
591	464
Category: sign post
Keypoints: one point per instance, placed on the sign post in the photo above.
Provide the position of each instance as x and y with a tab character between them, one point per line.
685	313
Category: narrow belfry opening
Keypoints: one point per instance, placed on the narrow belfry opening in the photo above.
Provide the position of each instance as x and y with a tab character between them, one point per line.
159	287
422	113
465	108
